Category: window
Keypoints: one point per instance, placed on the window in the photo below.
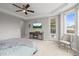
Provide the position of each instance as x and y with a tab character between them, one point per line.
70	21
53	26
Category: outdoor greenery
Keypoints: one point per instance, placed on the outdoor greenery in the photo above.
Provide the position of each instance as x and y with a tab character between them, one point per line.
70	31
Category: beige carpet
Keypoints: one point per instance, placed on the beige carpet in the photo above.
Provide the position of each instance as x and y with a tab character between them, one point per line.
50	48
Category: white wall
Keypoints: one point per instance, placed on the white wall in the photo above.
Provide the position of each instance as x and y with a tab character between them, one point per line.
23	27
58	32
45	27
10	27
77	29
78	23
62	25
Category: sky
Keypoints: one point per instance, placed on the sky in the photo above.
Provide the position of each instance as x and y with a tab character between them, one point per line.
70	18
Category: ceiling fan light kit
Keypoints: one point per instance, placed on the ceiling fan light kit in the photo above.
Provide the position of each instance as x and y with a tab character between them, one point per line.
23	10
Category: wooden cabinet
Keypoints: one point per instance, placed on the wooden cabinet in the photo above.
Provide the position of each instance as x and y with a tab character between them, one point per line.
36	35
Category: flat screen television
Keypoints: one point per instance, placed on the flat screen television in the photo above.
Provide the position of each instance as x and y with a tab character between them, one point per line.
37	25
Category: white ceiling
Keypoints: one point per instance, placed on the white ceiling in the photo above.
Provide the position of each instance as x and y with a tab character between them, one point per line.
39	8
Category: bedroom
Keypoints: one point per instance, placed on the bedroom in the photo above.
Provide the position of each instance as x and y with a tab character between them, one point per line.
19	27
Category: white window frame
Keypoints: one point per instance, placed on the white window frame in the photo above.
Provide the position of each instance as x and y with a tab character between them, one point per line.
65	13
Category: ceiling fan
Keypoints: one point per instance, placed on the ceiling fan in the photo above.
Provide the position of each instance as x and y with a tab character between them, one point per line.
24	8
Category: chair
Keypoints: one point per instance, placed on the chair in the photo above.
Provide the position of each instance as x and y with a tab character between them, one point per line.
66	41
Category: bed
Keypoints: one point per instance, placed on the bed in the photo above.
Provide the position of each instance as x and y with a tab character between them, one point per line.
17	47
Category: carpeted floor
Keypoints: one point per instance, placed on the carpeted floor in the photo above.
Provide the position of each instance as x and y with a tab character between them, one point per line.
50	48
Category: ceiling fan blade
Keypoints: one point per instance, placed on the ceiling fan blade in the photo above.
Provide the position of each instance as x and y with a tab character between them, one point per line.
18	10
25	13
24	6
30	11
16	6
27	6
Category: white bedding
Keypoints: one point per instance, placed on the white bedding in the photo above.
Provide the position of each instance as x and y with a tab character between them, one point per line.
17	47
17	51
